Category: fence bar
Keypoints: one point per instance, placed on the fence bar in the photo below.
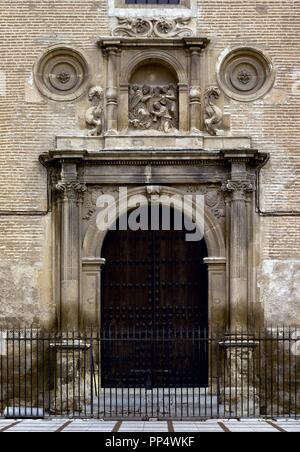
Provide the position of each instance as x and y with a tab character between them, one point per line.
63	374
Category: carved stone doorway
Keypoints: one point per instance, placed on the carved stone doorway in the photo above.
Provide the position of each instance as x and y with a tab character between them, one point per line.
154	287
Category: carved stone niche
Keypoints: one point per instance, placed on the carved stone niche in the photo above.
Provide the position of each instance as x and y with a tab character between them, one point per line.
153	84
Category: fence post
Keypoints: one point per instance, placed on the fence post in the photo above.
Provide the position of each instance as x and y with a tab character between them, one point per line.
239	394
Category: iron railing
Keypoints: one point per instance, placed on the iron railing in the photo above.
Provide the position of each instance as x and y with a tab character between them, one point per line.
172	374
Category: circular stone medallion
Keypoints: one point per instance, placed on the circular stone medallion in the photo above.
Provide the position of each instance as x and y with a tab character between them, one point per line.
62	74
245	74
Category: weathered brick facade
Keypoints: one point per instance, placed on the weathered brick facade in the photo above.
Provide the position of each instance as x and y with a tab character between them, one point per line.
30	122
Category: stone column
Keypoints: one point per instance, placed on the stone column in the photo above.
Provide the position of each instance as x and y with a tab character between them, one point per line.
71	191
123	113
183	107
195	90
112	54
240	396
237	191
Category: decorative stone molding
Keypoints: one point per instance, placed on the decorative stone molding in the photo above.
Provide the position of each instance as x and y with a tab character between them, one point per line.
213	114
153	28
154	191
71	190
95	115
245	74
61	74
213	198
91	195
153	107
238	189
195	94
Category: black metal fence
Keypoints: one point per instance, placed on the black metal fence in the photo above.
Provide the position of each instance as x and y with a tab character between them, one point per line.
150	374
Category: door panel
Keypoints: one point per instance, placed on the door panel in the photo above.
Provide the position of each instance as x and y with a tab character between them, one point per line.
154	309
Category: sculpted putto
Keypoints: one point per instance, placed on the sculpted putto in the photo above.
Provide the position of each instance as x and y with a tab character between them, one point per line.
153	107
95	114
213	113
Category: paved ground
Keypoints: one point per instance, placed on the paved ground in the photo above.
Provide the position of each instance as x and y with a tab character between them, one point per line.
213	426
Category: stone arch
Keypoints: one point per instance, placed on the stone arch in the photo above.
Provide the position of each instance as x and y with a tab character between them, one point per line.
94	238
165	59
92	263
157	56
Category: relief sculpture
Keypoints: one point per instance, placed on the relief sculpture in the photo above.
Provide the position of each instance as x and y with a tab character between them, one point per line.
95	115
153	107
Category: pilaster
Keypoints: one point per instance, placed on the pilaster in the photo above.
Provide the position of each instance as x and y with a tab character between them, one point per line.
70	190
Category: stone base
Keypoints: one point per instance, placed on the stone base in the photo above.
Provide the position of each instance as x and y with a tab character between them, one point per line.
240	402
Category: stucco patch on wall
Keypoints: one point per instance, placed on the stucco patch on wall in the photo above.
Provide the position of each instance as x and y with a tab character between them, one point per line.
279	282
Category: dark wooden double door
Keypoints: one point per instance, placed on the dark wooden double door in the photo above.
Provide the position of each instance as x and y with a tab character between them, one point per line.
154	312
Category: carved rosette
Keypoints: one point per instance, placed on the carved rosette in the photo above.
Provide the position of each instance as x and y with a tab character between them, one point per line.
245	74
153	28
71	190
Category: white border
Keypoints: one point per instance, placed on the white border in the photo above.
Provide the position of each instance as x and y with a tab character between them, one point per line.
153	12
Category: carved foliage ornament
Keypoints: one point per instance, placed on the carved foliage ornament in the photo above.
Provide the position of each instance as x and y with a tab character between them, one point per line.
72	190
95	114
153	107
238	189
153	28
213	198
90	199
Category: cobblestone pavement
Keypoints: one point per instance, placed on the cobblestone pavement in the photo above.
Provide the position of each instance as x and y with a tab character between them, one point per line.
213	426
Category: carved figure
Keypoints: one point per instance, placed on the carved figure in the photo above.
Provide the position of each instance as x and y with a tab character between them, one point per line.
162	116
153	107
95	115
168	93
213	113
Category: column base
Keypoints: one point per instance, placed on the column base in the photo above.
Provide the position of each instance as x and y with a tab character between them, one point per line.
239	395
74	382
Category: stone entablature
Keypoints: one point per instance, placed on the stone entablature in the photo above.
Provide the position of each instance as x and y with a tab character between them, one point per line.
141	142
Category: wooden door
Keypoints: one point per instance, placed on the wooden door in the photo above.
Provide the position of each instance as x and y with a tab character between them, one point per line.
154	313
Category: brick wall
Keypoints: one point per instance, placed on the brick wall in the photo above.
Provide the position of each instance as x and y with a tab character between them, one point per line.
29	122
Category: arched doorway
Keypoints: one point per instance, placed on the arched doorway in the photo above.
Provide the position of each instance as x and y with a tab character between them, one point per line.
154	301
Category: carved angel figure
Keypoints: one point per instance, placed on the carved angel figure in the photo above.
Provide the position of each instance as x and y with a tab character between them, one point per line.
153	107
95	114
162	116
139	108
213	114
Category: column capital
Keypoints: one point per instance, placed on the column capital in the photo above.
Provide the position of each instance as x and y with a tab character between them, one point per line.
238	189
195	50
70	190
111	50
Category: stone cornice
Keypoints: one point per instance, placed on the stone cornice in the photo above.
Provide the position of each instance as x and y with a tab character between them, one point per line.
108	42
170	157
